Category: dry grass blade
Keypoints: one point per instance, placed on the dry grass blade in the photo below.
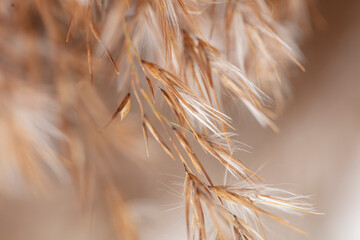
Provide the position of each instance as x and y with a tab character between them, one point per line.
151	88
90	64
186	12
122	110
192	198
97	36
172	107
187	194
193	105
145	133
233	164
157	137
197	194
195	161
235	198
69	29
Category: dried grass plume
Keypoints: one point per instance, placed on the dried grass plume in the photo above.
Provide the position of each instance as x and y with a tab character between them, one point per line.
72	70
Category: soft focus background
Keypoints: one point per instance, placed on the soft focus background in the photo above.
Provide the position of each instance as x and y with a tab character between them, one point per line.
317	153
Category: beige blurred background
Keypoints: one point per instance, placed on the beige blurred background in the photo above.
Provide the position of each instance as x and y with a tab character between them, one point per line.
317	153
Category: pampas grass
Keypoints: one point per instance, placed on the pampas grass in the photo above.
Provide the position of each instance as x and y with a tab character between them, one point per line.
64	65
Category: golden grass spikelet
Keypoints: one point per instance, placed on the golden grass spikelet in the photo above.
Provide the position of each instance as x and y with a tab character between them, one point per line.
123	109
